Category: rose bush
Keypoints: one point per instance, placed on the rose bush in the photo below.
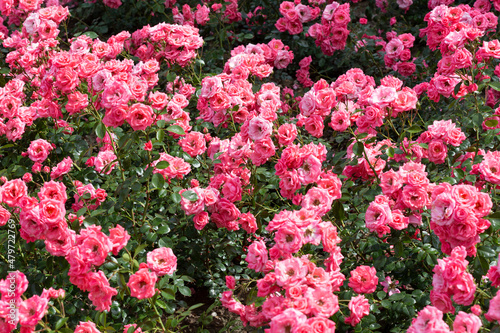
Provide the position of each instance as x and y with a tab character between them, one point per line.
322	166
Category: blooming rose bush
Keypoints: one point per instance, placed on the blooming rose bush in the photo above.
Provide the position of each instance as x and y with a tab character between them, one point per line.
308	166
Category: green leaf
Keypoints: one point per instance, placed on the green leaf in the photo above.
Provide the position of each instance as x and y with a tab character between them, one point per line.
491	123
362	136
131	329
190	195
176	197
100	130
158	180
495	220
176	129
160	135
171	76
338	210
399	249
184	291
495	85
486	251
65	330
162	165
168	294
139	249
397	297
390	152
61	322
4	70
161	304
161	123
81	211
477	119
381	295
90	34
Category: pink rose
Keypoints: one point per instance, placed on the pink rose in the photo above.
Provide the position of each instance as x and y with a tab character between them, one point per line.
39	150
363	279
162	261
359	307
142	283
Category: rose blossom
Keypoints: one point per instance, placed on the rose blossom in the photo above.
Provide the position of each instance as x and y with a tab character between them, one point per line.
363	279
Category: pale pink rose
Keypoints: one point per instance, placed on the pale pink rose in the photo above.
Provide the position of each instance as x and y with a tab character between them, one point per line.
429	319
390	182
116	93
287	134
61	168
259	128
39	150
383	96
318	200
394	47
289	319
86	327
307	105
359	307
105	162
378	217
466	323
310	170
290	272
193	144
137	329
257	256
322	301
162	261
32	310
442	209
494	309
406	100
142	284
289	238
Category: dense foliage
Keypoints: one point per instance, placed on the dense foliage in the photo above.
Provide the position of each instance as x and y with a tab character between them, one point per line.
311	167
